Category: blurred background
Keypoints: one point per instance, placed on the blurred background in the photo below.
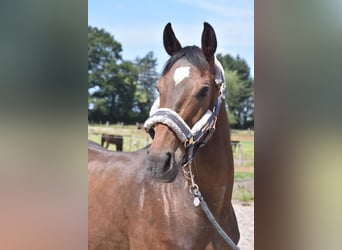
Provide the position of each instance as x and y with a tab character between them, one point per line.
297	121
126	57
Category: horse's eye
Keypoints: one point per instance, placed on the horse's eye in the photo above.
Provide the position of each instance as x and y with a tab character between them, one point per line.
203	92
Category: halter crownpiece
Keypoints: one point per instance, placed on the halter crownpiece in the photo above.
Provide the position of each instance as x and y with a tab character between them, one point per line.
195	137
219	78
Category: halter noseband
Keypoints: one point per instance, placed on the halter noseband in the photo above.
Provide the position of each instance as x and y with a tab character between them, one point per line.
196	137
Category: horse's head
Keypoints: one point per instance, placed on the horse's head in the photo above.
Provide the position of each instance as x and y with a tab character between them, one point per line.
187	89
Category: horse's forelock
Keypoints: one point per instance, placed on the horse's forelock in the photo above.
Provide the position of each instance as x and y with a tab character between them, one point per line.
193	54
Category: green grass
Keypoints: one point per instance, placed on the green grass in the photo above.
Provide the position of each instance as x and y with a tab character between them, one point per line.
247	149
242	194
243	132
243	176
131	140
137	138
129	130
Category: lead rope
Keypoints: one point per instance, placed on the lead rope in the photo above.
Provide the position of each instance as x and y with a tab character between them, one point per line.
199	200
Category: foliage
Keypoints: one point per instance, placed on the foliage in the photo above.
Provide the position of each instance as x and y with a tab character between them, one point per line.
123	91
119	90
231	118
145	93
240	95
103	54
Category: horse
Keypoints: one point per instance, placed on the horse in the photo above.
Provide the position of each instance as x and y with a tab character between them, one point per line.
142	199
139	125
112	139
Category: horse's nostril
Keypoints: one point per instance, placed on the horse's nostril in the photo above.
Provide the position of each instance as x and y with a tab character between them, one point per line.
167	164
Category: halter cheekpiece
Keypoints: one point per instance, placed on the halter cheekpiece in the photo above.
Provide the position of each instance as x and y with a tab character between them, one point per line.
196	137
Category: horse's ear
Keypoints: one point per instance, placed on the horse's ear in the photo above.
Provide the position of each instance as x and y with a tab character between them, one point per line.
171	44
209	42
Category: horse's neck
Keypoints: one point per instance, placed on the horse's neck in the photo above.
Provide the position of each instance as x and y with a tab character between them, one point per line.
213	165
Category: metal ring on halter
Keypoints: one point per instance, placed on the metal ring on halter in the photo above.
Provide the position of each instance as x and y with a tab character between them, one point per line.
188	142
186	171
193	188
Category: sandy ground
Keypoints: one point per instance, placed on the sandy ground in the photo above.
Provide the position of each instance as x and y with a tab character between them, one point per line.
245	217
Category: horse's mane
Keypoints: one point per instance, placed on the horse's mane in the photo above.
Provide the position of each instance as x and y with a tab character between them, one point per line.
192	53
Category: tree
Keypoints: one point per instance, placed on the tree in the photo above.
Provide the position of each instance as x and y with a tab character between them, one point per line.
111	81
103	54
146	85
240	95
125	84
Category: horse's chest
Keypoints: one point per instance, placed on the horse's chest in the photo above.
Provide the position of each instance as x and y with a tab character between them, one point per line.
167	219
169	206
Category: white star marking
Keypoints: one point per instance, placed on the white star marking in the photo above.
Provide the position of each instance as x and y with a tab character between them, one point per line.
180	74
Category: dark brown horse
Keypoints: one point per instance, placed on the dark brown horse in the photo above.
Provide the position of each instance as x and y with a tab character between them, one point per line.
139	125
141	200
117	140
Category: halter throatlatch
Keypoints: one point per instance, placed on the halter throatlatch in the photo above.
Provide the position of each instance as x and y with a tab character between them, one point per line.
197	136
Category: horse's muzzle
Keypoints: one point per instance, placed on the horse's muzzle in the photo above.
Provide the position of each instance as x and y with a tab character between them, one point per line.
162	166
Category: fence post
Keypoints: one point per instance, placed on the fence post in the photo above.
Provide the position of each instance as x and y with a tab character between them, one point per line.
240	151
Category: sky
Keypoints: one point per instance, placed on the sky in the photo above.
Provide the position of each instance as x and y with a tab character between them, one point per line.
138	25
